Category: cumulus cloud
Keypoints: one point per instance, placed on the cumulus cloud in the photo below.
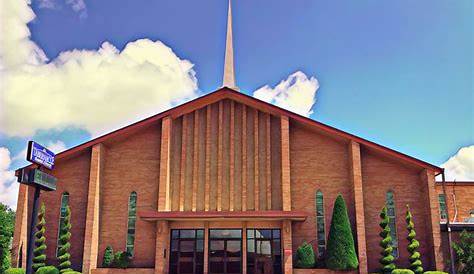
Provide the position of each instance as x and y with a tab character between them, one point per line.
78	6
8	184
98	90
297	93
460	167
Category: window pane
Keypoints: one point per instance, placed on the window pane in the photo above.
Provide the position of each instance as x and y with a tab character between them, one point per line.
132	205
276	234
188	234
225	233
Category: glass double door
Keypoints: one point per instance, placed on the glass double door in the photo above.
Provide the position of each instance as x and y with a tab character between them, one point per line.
225	251
187	251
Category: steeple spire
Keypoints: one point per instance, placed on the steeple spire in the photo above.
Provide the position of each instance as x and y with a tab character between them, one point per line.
229	76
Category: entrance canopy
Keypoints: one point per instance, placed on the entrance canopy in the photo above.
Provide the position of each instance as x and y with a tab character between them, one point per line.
267	215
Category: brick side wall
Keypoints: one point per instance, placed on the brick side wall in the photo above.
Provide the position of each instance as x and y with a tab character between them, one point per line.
463	195
73	177
130	165
317	162
380	175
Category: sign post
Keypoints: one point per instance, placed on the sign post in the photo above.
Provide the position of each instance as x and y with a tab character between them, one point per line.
40	180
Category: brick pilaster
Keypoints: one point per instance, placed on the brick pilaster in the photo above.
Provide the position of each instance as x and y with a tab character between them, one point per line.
428	179
162	251
164	200
20	236
285	163
356	178
91	235
287	247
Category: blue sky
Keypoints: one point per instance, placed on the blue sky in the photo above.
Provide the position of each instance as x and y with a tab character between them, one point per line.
395	72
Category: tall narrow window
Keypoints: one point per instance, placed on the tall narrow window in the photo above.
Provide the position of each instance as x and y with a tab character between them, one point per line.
62	216
321	232
442	207
132	218
392	222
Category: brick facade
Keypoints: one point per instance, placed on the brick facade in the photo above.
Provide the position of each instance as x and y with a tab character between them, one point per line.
222	153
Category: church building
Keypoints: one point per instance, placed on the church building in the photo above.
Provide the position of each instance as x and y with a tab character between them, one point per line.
227	183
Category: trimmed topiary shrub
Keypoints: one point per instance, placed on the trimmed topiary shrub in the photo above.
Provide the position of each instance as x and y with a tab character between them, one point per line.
64	237
121	259
402	271
47	270
415	262
15	271
435	272
108	259
305	256
386	243
40	246
340	252
72	272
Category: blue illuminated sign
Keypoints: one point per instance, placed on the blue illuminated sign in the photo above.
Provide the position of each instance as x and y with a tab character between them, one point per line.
40	155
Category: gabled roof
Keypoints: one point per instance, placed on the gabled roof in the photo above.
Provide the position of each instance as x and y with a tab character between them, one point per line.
228	93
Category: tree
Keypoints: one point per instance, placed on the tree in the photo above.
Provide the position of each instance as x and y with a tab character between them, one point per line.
415	262
464	249
108	257
40	246
7	226
64	237
386	243
340	253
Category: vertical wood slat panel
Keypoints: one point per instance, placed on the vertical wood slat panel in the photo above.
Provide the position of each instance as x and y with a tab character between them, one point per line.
268	164
219	157
208	159
183	162
256	166
244	158
231	149
195	160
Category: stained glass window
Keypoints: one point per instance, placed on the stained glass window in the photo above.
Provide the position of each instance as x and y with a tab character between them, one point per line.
442	206
132	218
320	225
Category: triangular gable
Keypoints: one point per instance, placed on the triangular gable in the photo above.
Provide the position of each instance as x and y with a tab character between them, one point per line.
228	93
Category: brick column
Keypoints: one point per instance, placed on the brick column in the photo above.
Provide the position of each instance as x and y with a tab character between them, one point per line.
287	247
164	201
91	235
162	252
356	178
285	163
20	236
428	179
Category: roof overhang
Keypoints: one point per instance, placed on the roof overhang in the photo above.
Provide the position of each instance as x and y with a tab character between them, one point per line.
267	215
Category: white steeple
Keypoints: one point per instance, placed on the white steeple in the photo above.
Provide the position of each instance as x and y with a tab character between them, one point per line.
229	76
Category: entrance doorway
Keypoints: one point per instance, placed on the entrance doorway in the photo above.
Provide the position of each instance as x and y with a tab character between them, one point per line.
187	251
263	251
225	251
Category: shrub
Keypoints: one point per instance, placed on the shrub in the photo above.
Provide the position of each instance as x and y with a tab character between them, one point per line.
64	236
71	272
402	271
386	243
415	262
15	271
305	256
340	252
47	270
108	257
121	259
464	249
40	246
435	272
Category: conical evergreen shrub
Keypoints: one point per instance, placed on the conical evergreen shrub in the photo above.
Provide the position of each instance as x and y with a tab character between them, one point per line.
108	257
305	256
64	237
39	251
386	243
415	262
340	252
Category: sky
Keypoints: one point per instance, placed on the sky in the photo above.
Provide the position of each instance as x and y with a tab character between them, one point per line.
398	73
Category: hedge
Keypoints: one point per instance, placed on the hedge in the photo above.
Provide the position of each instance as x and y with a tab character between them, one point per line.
402	271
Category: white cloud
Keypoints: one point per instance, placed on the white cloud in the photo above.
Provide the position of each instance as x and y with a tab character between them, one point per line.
460	167
78	6
8	184
98	90
297	93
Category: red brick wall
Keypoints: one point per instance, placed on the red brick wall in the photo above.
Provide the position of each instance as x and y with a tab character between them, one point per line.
130	165
463	194
380	175
317	162
73	177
